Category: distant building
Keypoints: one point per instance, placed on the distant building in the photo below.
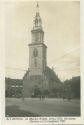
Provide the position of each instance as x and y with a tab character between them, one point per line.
13	87
39	75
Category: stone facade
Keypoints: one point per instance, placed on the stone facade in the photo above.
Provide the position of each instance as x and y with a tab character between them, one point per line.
37	58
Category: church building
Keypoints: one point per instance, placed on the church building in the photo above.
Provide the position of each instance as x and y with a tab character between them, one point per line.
39	76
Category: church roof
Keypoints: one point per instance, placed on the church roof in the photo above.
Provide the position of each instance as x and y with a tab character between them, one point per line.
51	74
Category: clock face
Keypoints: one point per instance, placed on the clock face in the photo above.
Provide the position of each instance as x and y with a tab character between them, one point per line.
35	52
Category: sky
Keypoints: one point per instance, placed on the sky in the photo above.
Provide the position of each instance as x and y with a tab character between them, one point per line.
61	24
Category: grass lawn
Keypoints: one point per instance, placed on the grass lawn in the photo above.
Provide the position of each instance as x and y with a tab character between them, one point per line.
35	107
14	111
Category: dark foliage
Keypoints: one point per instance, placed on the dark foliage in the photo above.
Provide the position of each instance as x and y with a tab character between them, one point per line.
73	87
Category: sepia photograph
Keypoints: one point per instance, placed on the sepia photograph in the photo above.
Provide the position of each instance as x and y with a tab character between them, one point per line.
42	59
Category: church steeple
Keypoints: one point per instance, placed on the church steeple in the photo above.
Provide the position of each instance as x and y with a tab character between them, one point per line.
37	19
37	48
37	31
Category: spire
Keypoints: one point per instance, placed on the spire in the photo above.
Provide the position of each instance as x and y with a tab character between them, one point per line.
37	4
37	19
37	7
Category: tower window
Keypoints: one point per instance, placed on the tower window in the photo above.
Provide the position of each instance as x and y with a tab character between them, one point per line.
35	61
35	52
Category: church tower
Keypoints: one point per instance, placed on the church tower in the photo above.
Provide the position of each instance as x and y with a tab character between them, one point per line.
37	48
